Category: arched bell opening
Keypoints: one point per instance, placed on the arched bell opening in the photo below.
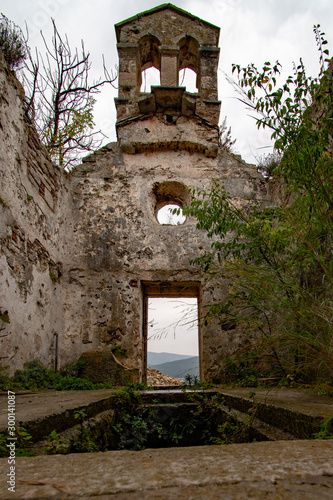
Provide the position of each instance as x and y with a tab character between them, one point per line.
149	62
189	76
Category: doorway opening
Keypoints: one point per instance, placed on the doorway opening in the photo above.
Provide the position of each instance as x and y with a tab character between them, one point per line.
171	333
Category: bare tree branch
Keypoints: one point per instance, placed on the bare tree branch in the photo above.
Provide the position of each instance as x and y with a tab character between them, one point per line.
61	99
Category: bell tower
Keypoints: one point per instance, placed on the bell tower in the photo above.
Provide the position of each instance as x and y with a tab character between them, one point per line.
168	117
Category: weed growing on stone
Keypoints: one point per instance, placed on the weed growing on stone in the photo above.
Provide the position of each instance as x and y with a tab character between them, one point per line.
323	388
193	382
13	43
22	443
326	430
136	429
35	376
52	442
138	425
54	277
72	369
117	350
3	203
240	374
231	431
3	449
83	443
133	425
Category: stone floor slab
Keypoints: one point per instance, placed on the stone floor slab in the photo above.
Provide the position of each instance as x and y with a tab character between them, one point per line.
36	405
301	400
276	470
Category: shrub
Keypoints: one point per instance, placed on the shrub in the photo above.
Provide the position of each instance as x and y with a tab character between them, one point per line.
36	376
73	384
269	164
240	373
12	43
4	379
72	369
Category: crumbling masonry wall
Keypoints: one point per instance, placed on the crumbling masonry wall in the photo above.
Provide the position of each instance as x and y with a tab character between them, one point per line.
80	252
119	247
31	198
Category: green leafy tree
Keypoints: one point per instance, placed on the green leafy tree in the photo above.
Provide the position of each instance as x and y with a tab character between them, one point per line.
278	260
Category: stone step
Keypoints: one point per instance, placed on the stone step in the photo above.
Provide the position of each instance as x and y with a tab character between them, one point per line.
60	421
258	430
271	421
176	395
289	470
296	423
97	427
101	433
287	422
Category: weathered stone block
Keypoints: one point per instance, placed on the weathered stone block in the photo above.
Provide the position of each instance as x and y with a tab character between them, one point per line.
103	367
169	66
188	104
147	104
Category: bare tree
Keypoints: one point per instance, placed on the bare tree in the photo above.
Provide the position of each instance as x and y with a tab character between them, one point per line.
61	99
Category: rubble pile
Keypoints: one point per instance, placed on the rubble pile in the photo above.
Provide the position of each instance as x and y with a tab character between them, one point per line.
155	377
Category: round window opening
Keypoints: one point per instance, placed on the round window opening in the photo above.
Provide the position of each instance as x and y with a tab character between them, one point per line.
167	217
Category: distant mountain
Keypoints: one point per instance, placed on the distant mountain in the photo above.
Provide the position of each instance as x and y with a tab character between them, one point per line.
156	358
179	368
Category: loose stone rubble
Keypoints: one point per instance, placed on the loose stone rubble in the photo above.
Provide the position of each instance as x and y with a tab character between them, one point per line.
155	377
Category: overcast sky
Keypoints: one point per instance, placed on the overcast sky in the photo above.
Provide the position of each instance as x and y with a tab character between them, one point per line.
173	326
251	31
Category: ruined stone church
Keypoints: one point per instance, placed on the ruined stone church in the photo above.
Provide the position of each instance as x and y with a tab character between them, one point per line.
82	253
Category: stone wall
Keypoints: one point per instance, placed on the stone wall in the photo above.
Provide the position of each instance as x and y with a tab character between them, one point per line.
81	252
117	247
30	219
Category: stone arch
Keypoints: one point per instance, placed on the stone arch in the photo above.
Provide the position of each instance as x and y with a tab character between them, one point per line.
189	57
170	193
189	53
149	55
